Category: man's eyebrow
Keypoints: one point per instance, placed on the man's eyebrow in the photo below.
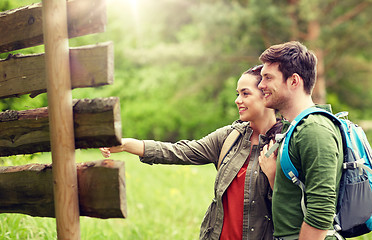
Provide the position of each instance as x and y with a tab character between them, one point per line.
266	75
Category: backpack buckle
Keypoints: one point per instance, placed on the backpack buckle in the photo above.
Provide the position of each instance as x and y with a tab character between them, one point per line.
350	165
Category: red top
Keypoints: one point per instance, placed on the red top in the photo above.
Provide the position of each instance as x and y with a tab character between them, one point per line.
233	207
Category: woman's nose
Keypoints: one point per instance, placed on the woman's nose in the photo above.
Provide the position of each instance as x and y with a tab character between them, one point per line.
238	100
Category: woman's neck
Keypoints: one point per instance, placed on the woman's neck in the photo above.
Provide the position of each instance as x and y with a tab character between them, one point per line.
261	127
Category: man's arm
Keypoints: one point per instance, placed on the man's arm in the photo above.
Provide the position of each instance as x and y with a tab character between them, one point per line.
320	148
308	232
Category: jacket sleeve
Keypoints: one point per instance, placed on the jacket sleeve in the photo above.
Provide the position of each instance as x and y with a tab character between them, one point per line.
320	149
186	152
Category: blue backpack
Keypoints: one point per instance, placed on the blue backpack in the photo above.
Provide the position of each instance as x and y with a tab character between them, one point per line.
354	205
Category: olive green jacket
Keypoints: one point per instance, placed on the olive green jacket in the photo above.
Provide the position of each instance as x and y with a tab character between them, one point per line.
257	223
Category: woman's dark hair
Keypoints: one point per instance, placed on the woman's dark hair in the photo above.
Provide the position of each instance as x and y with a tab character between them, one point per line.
271	133
255	71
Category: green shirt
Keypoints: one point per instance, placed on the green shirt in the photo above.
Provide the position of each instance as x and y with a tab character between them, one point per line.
315	150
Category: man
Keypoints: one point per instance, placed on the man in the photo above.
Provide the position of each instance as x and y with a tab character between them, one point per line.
315	148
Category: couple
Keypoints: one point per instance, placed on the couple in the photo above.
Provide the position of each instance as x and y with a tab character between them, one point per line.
247	203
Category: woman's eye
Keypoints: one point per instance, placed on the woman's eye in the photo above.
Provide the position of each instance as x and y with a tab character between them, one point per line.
243	94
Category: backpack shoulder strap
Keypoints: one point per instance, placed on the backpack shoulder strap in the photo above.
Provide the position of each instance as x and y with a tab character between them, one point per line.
288	168
227	145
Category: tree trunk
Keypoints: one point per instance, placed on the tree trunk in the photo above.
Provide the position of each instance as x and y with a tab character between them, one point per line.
312	36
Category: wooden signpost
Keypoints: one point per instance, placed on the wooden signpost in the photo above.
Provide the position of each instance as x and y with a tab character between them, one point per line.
28	189
95	189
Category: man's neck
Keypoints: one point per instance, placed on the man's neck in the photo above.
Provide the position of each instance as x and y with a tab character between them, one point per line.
297	106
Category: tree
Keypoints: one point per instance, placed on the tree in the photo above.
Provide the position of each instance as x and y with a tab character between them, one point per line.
217	40
178	61
339	34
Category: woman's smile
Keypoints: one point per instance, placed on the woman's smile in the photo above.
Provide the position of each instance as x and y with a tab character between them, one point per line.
242	109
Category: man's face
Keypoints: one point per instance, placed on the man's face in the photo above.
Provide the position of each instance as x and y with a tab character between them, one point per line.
274	87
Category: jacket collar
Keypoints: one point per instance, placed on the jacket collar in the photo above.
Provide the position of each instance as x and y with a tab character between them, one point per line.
244	127
241	126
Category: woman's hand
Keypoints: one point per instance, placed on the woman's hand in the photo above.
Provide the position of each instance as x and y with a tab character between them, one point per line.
268	165
106	151
130	145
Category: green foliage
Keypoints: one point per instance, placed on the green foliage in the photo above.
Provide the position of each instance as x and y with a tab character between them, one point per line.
191	62
18	159
23	102
177	62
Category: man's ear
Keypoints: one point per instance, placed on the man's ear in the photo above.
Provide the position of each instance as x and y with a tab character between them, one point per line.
295	81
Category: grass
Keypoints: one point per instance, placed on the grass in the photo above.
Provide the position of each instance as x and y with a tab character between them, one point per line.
164	202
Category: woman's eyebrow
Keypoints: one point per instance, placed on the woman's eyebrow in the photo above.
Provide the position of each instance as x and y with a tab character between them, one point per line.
243	89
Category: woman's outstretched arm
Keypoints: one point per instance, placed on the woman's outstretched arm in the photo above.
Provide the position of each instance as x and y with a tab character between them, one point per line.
130	145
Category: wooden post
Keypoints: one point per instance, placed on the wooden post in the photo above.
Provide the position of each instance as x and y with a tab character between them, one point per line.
61	118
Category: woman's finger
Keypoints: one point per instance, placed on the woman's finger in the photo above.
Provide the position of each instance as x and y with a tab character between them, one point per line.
105	152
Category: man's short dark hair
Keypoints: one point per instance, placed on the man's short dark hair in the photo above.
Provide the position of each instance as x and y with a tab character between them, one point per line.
293	57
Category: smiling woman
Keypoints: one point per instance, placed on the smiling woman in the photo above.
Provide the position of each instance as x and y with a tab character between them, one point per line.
257	126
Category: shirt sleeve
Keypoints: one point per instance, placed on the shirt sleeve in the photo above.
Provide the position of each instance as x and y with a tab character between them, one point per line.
319	150
186	152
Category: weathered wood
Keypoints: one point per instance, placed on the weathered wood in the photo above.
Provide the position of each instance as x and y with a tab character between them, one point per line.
90	66
22	27
28	189
97	123
61	122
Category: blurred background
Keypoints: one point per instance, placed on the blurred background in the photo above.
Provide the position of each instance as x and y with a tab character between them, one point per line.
177	61
176	67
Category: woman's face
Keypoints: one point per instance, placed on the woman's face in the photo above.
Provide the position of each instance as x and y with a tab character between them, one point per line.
249	99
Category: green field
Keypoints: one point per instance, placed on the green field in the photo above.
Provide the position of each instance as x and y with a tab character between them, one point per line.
164	202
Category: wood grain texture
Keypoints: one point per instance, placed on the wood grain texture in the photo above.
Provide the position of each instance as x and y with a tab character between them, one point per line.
61	123
28	189
90	66
23	27
97	123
